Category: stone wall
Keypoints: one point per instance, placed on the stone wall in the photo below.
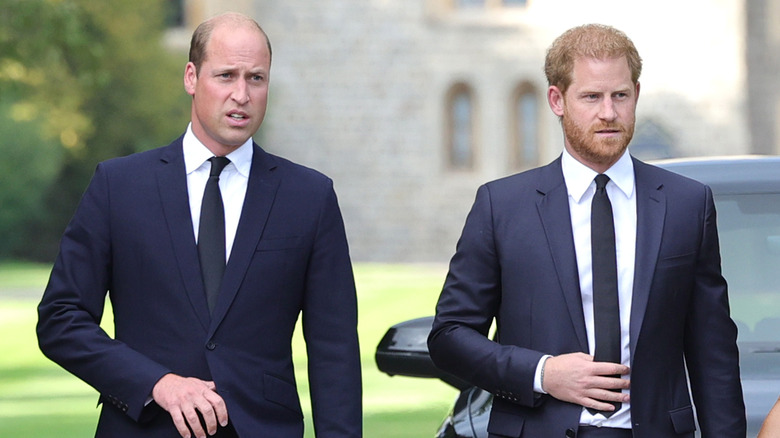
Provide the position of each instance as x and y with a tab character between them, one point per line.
358	91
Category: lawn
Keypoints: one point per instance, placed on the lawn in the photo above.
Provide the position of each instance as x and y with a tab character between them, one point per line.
39	399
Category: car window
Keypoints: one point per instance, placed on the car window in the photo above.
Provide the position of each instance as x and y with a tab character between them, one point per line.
749	230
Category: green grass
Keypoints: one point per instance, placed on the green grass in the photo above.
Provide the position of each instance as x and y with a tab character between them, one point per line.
37	398
15	276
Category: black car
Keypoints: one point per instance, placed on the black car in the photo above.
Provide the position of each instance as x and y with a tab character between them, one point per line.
747	198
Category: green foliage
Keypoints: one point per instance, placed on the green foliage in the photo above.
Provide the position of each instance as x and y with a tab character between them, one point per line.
28	167
82	81
49	60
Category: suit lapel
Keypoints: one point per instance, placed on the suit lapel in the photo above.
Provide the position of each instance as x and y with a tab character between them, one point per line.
172	186
553	207
260	192
651	210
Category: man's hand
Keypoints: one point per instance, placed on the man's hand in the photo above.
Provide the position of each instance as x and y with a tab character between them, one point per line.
184	397
575	378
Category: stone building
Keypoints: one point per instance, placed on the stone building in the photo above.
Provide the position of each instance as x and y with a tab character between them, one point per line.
410	105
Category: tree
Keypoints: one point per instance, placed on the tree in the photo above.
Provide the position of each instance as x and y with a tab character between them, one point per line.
82	81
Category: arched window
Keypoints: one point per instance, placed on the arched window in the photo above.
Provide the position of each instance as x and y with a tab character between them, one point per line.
460	127
525	122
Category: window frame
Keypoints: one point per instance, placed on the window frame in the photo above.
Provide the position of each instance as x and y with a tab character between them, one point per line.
453	162
518	158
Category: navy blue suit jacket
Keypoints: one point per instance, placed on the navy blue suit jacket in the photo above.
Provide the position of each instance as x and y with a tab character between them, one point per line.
132	235
515	262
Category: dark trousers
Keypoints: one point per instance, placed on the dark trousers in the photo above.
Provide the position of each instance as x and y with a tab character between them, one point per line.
222	432
226	432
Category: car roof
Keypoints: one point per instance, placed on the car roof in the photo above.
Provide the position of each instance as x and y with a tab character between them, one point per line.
732	174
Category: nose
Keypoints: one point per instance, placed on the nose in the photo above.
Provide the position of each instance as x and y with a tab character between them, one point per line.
607	110
241	92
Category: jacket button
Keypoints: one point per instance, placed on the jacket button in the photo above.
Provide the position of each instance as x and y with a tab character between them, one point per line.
211	346
570	433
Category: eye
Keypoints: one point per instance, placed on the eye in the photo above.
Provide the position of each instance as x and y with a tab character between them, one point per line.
257	77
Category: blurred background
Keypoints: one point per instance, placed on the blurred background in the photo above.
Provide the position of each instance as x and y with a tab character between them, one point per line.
409	105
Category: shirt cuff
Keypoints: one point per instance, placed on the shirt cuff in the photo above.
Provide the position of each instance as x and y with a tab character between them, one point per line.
539	375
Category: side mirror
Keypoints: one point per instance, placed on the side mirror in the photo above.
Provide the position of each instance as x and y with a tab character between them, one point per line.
403	351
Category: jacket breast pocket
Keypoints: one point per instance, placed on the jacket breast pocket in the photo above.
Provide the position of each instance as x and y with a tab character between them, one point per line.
279	243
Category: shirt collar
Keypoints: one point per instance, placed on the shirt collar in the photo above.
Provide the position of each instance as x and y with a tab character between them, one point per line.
196	154
579	177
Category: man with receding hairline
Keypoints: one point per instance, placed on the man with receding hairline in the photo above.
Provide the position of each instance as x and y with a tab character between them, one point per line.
209	249
602	274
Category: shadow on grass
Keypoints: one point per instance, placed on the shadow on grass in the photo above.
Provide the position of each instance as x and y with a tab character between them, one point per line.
421	423
48	426
25	373
417	423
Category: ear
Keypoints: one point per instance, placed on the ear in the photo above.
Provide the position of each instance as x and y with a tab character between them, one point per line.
555	100
190	78
637	92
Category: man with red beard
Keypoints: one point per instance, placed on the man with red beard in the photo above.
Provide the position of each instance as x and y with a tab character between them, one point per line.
602	274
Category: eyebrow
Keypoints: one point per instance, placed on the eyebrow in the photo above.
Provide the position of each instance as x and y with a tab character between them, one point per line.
620	90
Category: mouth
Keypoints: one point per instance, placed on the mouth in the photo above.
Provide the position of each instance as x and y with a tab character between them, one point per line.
608	132
238	118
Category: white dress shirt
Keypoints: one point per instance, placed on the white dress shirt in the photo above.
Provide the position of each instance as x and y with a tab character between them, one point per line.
622	195
232	182
232	185
581	186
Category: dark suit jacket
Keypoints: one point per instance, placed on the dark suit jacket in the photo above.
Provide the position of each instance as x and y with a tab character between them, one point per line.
515	262
132	235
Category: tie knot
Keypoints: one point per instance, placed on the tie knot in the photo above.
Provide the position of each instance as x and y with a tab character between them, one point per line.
217	164
601	181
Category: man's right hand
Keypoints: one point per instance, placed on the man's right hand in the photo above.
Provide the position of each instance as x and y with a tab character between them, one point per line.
576	378
184	397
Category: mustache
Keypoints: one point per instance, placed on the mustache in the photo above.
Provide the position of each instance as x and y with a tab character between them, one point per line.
609	127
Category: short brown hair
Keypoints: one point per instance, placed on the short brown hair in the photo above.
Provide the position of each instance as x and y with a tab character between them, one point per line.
588	41
202	34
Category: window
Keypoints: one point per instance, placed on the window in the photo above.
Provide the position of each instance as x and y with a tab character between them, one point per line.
525	122
488	4
470	3
491	13
460	127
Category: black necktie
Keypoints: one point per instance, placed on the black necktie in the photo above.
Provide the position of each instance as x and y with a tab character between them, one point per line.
211	233
606	311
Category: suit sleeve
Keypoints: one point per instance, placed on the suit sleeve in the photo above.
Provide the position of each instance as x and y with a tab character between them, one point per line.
710	342
468	303
71	309
330	328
